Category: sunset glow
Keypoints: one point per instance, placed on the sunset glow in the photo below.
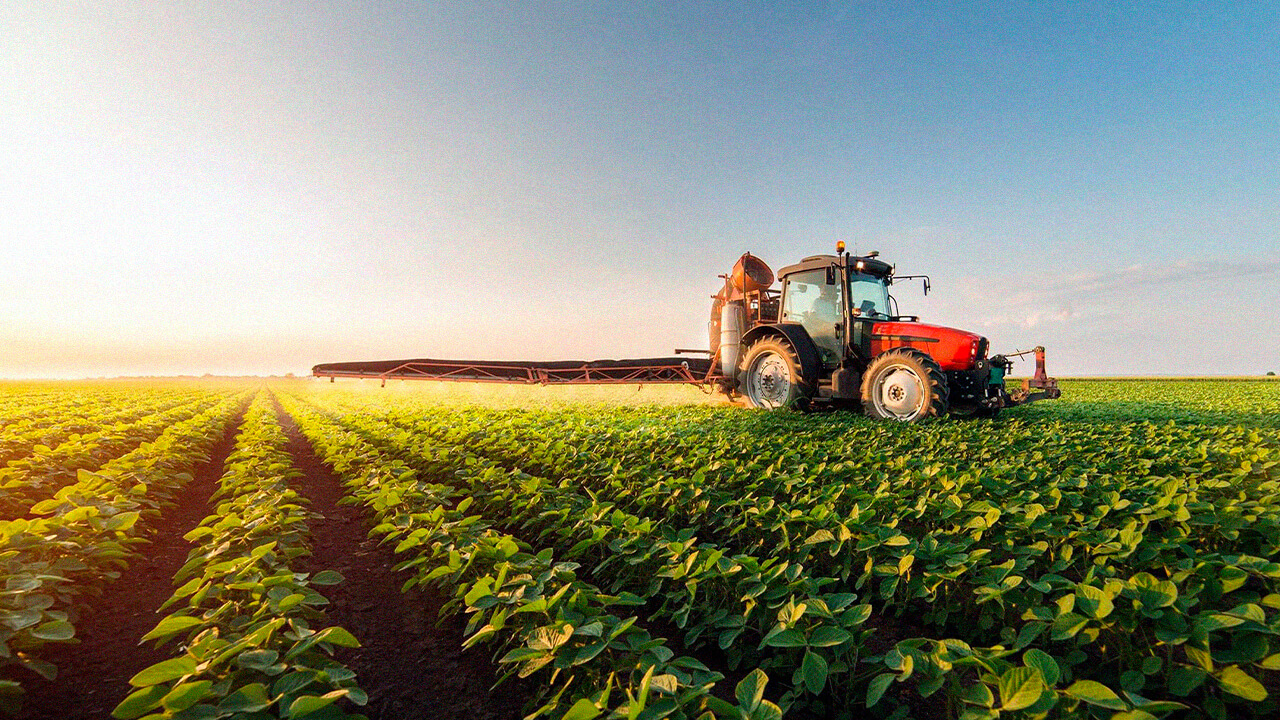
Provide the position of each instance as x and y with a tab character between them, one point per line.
198	188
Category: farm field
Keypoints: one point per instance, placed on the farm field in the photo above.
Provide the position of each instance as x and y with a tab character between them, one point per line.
316	550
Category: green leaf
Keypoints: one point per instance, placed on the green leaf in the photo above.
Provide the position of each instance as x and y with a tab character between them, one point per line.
337	636
786	638
1020	687
1132	680
1029	633
584	709
1183	680
54	630
1241	684
1093	601
24	583
750	691
1095	693
856	615
139	702
665	683
877	688
123	522
814	670
327	577
1153	706
1044	662
978	694
164	671
24	618
1067	624
258	659
767	711
307	704
828	637
589	652
171	626
247	699
357	695
185	695
1200	657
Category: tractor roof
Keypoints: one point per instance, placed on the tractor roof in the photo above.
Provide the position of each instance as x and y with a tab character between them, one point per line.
870	265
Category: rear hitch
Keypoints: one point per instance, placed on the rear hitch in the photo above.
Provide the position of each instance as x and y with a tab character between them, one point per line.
1037	387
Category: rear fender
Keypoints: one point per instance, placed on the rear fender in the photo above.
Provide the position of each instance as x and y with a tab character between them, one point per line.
798	337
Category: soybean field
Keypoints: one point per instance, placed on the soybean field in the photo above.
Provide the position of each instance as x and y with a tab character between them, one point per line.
306	550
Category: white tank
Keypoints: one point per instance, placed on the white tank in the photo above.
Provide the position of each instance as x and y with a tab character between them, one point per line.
732	318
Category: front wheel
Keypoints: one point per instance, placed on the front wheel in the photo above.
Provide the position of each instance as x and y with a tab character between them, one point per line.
906	385
770	377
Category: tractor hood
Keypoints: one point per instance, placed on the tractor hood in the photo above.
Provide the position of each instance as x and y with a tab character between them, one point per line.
953	349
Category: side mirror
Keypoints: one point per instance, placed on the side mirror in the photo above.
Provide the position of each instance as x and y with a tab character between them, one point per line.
926	286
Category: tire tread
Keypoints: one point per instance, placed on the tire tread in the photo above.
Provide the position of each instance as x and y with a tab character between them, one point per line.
940	392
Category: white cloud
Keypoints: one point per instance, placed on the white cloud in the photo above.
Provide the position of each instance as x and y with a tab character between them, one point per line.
1183	317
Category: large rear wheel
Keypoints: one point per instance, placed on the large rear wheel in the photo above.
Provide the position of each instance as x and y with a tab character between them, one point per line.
769	376
904	384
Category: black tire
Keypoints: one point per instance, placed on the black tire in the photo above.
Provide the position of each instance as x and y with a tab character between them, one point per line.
770	376
904	384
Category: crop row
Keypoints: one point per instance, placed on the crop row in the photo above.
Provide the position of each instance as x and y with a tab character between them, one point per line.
77	541
549	623
771	612
248	646
21	436
1095	542
52	405
33	478
950	546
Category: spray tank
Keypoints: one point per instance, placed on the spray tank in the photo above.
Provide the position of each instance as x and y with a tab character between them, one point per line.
729	309
732	320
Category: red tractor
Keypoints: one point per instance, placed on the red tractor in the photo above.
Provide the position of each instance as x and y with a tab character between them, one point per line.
833	335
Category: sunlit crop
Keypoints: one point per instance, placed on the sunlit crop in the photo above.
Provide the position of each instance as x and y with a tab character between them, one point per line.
1110	555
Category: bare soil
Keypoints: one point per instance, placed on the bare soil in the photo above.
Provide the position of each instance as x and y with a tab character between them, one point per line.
411	664
93	674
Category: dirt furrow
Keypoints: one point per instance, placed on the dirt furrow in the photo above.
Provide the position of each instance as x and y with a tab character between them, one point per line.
93	675
410	663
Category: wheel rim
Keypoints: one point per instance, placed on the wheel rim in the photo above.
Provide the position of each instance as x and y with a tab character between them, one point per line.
769	381
899	393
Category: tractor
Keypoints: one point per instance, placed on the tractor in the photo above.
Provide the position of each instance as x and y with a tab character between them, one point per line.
833	336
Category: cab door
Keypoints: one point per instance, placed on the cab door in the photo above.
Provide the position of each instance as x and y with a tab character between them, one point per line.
810	300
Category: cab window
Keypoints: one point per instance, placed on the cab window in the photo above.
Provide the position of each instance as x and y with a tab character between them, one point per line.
808	296
809	300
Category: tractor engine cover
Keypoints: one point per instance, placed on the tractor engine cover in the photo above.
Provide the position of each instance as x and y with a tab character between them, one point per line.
952	349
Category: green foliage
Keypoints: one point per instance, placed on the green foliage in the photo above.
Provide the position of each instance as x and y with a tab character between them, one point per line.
245	617
1109	555
67	546
48	458
573	637
1079	560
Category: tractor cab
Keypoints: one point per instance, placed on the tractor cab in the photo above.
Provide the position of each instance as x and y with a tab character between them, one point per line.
832	297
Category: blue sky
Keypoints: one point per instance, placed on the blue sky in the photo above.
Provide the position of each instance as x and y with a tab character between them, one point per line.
257	187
